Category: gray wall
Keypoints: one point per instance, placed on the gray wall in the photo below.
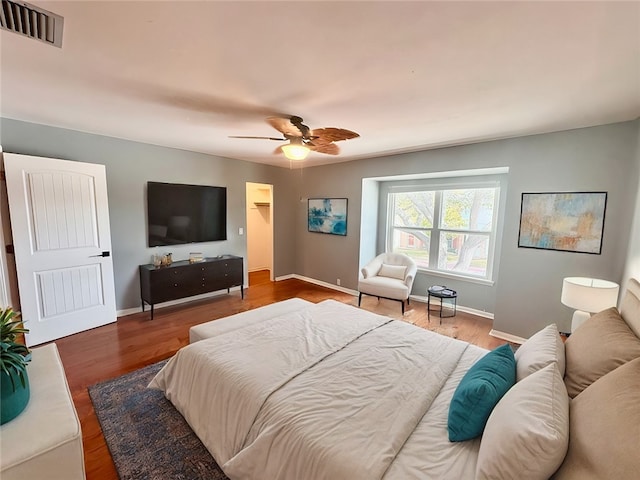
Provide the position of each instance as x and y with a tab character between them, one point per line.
129	166
526	295
632	267
592	159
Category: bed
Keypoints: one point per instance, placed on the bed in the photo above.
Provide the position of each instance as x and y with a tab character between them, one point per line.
330	391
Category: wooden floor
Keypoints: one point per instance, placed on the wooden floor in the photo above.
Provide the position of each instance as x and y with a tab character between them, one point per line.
135	341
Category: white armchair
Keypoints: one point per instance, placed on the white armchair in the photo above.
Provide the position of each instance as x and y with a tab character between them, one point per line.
389	275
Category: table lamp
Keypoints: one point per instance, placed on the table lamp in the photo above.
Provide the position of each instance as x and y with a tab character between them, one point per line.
587	296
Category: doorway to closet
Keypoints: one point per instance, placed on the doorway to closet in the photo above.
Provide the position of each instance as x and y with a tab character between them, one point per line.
259	232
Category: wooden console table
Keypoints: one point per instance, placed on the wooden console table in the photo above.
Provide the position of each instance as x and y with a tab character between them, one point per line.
184	279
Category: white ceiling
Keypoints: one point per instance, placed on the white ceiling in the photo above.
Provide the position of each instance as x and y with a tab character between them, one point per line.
407	76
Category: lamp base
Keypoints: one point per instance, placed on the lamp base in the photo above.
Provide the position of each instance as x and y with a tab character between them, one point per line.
579	317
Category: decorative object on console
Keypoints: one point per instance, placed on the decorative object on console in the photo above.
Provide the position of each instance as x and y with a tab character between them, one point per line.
14	356
567	221
195	257
328	215
587	296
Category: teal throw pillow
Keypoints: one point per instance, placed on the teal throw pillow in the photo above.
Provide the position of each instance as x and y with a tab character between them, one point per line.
479	391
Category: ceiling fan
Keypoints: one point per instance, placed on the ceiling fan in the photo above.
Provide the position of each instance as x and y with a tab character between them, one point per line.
302	139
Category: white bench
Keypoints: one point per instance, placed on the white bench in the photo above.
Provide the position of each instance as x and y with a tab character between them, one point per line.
45	440
239	320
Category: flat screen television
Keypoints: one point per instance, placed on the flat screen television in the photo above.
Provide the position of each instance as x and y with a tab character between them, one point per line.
178	213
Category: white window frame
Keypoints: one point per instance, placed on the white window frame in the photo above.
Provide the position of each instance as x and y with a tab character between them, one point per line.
436	229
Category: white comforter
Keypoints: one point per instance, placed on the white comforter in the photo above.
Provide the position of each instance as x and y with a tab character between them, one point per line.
329	392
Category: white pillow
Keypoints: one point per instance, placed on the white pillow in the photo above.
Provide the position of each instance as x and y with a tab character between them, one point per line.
392	271
543	348
527	434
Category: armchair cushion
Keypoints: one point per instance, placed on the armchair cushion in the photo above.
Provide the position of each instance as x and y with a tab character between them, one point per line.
393	271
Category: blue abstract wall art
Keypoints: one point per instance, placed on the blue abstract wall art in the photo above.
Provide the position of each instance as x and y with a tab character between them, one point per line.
328	215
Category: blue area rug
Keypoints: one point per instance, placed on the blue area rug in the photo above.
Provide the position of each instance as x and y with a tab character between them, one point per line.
147	437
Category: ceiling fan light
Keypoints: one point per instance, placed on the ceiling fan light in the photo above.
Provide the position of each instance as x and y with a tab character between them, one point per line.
295	152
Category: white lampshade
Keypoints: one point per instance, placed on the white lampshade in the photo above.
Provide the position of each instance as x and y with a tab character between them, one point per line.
589	294
294	151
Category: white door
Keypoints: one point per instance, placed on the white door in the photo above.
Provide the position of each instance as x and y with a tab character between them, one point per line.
62	242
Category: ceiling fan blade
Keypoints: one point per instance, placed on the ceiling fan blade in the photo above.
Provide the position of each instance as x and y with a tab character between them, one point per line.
326	148
259	138
332	134
285	126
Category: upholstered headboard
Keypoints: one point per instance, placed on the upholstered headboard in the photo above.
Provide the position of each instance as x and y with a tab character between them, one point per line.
630	306
602	376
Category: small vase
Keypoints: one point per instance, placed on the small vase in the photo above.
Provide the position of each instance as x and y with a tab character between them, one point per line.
12	402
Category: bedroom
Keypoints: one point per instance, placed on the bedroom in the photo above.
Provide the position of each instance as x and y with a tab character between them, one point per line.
526	291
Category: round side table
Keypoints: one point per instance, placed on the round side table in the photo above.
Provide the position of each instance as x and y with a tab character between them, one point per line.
446	296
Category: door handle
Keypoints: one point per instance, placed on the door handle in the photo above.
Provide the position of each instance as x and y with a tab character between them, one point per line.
103	254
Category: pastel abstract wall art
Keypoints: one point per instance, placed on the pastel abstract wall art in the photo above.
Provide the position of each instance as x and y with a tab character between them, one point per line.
566	221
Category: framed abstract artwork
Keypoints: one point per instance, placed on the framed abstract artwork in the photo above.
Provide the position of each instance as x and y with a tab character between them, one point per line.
566	221
328	215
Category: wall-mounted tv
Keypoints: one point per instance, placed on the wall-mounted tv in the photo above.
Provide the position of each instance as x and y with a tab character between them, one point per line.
178	213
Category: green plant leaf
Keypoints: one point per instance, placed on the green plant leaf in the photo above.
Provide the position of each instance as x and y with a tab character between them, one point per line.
14	356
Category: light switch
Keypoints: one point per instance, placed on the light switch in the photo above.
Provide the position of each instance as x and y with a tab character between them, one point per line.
241	231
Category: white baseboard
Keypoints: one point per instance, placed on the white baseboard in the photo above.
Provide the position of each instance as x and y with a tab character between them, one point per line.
285	277
507	336
461	308
130	311
319	282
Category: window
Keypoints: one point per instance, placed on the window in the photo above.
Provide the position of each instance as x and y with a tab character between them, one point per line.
448	230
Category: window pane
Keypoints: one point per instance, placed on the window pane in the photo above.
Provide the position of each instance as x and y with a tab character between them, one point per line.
414	244
413	209
463	253
469	209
